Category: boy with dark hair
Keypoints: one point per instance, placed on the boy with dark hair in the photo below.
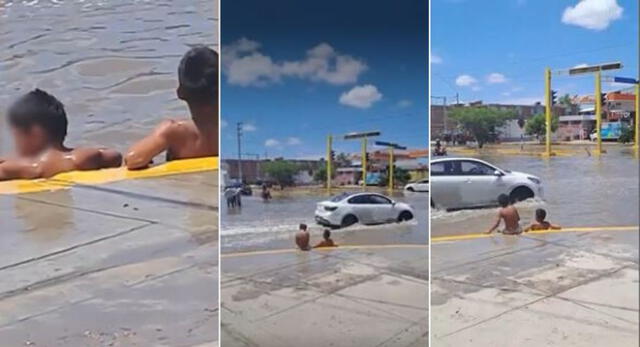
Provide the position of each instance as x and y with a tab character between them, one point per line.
327	242
302	238
509	214
38	123
183	139
540	222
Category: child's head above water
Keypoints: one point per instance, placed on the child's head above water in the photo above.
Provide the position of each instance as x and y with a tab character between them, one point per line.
326	234
38	121
541	215
503	200
198	76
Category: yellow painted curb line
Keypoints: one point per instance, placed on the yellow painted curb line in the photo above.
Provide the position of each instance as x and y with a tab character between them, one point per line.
68	179
570	229
324	249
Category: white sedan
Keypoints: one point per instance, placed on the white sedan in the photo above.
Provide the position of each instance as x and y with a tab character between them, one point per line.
418	186
366	208
466	183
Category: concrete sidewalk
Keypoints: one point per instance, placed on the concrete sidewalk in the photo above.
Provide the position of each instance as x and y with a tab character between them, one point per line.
561	289
361	296
127	263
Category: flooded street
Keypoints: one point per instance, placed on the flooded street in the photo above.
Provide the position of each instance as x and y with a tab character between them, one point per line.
259	225
579	191
112	63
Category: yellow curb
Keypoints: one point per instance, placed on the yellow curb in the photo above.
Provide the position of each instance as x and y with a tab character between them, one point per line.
570	229
69	179
324	249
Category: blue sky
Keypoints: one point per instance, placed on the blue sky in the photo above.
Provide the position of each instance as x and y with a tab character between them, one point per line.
496	51
296	71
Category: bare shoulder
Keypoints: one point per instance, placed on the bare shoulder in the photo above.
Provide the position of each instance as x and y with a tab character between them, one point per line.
172	127
87	158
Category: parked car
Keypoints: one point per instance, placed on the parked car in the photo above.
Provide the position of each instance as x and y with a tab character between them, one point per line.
418	186
458	183
366	208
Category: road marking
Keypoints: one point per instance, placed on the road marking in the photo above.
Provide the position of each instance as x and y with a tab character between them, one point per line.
325	249
563	230
68	179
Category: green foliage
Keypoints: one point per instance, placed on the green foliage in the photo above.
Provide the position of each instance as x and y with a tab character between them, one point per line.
537	125
481	122
566	100
400	177
321	175
281	171
626	134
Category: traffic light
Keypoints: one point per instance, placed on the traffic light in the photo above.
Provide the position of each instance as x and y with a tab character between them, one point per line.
554	94
333	155
367	156
603	99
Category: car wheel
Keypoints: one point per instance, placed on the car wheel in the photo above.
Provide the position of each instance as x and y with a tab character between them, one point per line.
405	216
348	220
411	189
520	194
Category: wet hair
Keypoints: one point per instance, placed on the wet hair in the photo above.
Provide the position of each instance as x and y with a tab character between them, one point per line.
40	108
302	226
503	200
326	234
541	214
198	75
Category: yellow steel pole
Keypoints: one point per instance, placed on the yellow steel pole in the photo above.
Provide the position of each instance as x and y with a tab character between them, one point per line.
636	120
547	110
391	173
329	145
364	163
598	112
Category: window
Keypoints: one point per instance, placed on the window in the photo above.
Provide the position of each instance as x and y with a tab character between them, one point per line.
441	168
472	168
377	199
360	199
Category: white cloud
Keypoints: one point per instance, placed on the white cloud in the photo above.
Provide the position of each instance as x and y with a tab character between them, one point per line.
465	81
404	103
248	127
272	143
294	141
592	14
435	59
244	65
361	96
495	78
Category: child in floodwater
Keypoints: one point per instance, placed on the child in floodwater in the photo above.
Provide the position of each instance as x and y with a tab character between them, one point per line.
540	222
38	123
194	138
509	214
302	238
327	242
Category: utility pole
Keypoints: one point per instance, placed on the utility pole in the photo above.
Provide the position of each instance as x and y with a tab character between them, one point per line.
329	149
598	95
364	163
239	136
547	112
391	173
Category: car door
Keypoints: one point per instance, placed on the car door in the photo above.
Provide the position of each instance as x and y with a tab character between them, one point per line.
481	185
383	209
363	208
445	189
422	185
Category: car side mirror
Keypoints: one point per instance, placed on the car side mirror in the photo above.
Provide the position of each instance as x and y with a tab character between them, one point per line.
498	173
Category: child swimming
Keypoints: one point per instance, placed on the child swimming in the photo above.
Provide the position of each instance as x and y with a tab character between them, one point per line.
38	123
509	214
540	222
194	138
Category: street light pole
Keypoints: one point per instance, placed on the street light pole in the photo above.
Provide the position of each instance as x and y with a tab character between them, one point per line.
364	163
239	136
547	108
329	149
598	95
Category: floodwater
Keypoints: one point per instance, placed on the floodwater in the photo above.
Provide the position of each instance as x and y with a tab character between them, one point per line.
260	225
579	191
112	63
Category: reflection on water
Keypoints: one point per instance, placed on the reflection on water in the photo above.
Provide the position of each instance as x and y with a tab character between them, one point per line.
272	224
579	191
112	63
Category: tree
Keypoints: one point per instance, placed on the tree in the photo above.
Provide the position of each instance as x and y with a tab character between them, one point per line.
400	176
342	160
481	122
566	101
321	174
537	125
626	134
281	171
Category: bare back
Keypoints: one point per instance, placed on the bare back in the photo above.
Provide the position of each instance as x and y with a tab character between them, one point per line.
187	141
302	240
511	218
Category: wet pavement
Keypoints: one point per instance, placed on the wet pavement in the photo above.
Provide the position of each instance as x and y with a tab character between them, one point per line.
112	63
127	263
272	225
364	296
558	289
579	190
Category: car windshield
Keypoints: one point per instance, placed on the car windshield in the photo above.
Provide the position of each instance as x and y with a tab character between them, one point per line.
340	197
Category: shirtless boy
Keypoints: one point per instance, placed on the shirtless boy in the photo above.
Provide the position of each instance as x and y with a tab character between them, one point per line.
183	139
540	222
509	214
327	241
302	238
38	123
